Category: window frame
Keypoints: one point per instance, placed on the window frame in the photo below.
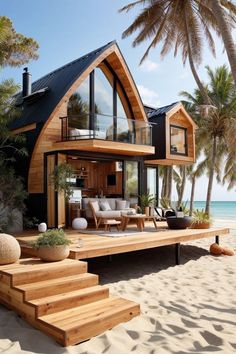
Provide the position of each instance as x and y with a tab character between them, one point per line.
185	140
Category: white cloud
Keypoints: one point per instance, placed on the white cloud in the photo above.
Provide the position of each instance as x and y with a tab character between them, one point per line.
148	96
149	66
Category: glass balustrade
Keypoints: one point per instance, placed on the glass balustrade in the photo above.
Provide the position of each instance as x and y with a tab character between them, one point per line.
104	127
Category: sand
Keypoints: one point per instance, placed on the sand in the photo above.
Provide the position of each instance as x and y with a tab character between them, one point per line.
190	308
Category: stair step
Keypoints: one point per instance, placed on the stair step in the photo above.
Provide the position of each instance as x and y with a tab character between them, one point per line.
50	287
60	302
83	322
53	270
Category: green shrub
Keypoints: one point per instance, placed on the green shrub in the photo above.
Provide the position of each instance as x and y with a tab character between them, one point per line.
51	238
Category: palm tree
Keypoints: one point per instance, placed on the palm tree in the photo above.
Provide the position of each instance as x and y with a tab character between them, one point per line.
217	129
222	17
180	176
181	25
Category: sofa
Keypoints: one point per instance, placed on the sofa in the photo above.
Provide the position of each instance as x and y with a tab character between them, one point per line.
86	134
118	207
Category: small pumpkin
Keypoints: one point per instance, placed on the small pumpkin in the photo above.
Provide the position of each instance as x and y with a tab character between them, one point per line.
227	251
216	249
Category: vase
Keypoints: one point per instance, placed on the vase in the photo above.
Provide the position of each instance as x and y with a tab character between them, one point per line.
147	211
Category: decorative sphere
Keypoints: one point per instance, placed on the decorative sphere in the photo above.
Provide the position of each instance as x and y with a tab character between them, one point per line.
42	227
9	249
79	224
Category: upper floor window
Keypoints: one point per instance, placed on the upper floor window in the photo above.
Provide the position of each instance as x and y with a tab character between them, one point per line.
78	107
178	140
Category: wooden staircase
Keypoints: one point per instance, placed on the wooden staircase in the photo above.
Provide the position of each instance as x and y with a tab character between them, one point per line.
62	299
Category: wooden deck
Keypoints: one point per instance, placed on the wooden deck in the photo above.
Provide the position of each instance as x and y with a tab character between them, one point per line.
62	299
96	246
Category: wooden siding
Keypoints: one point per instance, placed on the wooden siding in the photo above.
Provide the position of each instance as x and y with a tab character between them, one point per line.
51	131
51	161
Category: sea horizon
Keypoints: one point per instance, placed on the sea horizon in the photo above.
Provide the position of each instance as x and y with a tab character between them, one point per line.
225	210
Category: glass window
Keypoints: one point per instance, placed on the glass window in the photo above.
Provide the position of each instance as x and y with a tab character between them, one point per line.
131	181
78	107
178	140
103	94
152	181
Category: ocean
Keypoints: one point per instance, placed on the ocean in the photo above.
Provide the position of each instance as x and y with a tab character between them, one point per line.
219	210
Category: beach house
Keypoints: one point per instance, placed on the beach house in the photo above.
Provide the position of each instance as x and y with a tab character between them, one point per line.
89	114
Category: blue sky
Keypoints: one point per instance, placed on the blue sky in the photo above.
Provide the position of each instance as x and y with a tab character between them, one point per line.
67	29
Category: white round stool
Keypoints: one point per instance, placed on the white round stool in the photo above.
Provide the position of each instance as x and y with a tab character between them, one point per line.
79	224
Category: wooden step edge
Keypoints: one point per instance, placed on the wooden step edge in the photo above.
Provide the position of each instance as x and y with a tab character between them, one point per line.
54	303
68	284
60	271
84	311
96	325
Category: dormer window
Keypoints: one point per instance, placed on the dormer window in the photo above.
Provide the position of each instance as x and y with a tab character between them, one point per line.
178	140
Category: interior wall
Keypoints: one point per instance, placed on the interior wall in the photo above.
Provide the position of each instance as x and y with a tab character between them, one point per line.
95	177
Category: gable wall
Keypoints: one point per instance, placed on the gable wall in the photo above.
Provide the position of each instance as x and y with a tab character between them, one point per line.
51	131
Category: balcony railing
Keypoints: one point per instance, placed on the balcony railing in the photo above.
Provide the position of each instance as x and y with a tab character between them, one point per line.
104	127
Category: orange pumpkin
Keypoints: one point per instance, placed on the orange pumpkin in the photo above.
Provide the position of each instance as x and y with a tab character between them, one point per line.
216	249
227	251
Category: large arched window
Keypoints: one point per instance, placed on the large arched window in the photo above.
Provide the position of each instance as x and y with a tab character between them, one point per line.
100	108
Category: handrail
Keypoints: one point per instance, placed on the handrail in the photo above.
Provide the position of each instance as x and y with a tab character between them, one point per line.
106	127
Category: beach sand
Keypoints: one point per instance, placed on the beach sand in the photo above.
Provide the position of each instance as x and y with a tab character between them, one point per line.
190	308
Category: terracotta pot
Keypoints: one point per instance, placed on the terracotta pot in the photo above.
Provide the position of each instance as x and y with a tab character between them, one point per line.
147	211
53	254
200	225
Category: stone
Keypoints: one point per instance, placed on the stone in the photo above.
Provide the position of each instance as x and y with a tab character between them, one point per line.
79	224
9	249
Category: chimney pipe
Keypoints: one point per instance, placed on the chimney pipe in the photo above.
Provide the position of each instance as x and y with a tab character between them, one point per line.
26	84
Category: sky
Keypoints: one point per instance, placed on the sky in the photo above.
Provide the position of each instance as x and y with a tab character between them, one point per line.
68	29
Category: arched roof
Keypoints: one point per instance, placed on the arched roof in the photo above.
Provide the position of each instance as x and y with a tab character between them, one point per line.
48	91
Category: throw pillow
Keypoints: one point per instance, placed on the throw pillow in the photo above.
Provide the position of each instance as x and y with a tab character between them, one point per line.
104	206
120	204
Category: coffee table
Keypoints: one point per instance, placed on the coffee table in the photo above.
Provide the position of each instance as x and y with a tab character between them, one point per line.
137	218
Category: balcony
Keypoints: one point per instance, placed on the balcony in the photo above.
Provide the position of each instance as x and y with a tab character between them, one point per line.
106	134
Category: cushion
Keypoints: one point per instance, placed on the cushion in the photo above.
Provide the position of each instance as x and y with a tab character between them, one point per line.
95	206
110	214
120	204
104	206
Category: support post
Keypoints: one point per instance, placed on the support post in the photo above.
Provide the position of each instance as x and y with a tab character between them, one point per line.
218	239
177	253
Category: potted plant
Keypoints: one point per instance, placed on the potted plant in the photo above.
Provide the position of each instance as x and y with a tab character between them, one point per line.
52	245
146	201
61	178
201	220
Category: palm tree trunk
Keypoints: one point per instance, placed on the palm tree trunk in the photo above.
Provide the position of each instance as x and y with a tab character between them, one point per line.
226	34
192	67
211	175
182	187
192	195
169	183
